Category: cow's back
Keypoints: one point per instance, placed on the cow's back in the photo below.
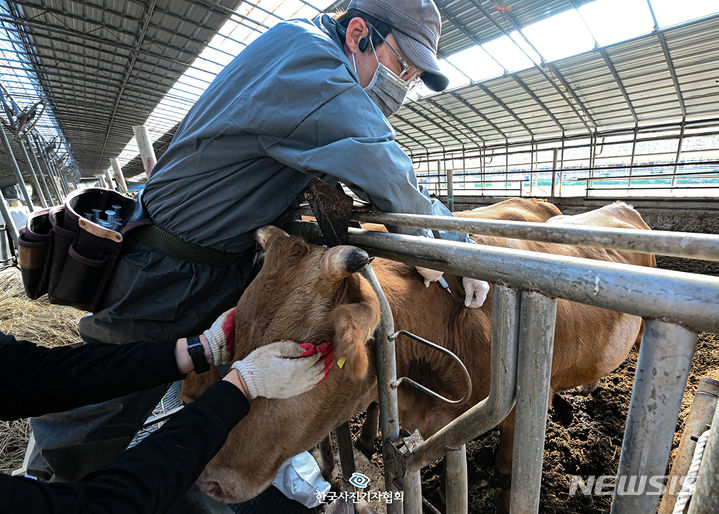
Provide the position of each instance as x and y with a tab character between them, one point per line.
514	209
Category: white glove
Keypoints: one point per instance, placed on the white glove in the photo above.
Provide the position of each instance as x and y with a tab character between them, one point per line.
429	275
475	292
221	338
278	371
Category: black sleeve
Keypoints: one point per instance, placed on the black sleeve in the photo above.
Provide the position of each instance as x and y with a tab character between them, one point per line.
36	380
148	478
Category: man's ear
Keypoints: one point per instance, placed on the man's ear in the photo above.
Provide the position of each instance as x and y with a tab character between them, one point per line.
356	30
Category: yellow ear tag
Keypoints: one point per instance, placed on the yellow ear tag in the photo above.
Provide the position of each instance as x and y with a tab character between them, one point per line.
341	362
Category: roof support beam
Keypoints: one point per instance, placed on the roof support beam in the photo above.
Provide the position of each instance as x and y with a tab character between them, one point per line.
672	71
609	64
478	113
541	104
414	107
539	68
457	121
417	130
504	106
128	73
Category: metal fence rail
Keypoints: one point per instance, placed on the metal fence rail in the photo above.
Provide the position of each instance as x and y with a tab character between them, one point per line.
676	304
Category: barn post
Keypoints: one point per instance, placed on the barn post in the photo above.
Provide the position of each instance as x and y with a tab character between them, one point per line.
455	463
40	172
536	342
9	222
16	169
147	153
554	173
119	177
35	181
665	358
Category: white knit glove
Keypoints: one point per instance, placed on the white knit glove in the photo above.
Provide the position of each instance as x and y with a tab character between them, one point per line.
221	338
429	275
475	292
278	371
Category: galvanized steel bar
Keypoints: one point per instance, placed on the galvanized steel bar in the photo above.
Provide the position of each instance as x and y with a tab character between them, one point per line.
386	374
35	160
706	500
665	358
9	222
492	410
456	492
677	244
412	486
536	344
700	416
648	292
16	169
50	173
35	181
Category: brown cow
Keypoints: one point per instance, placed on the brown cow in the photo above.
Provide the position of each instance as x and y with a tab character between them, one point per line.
306	293
514	209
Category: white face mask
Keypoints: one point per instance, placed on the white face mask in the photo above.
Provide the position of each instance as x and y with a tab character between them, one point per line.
386	89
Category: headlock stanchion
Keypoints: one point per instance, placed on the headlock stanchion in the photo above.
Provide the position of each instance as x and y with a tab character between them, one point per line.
526	285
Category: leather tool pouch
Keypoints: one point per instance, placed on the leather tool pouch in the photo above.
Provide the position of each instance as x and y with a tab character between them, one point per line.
69	257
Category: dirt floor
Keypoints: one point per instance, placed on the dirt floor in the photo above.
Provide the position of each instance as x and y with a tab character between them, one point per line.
584	432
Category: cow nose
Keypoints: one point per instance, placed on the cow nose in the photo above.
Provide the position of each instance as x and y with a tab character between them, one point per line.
341	261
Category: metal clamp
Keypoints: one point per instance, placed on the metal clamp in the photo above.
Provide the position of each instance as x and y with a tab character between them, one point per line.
468	380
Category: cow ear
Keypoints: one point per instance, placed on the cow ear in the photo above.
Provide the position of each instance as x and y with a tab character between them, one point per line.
264	235
353	324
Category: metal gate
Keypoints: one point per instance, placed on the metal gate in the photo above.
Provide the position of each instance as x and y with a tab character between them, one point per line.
526	286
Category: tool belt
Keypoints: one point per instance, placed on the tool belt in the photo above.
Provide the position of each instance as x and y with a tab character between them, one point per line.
72	258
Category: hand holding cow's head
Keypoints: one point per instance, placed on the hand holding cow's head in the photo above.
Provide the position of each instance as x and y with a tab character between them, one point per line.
308	294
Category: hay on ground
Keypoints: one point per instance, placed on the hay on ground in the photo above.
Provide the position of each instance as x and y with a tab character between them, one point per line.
41	323
35	320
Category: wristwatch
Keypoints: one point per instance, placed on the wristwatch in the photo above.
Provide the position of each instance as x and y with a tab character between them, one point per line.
197	354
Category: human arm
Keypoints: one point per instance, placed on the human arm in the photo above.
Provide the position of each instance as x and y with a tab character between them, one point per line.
153	475
37	380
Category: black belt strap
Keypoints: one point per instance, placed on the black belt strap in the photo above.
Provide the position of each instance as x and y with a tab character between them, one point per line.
177	248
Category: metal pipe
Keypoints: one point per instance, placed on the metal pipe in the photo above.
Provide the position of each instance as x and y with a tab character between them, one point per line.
677	244
700	415
450	188
665	358
705	499
347	456
147	153
35	181
42	174
412	498
494	408
386	374
16	169
119	177
638	290
455	465
534	370
108	178
554	172
9	222
50	172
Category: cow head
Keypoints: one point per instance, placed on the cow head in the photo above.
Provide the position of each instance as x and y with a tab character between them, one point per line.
308	294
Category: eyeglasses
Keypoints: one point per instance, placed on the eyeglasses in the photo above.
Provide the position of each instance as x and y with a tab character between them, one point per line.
410	71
